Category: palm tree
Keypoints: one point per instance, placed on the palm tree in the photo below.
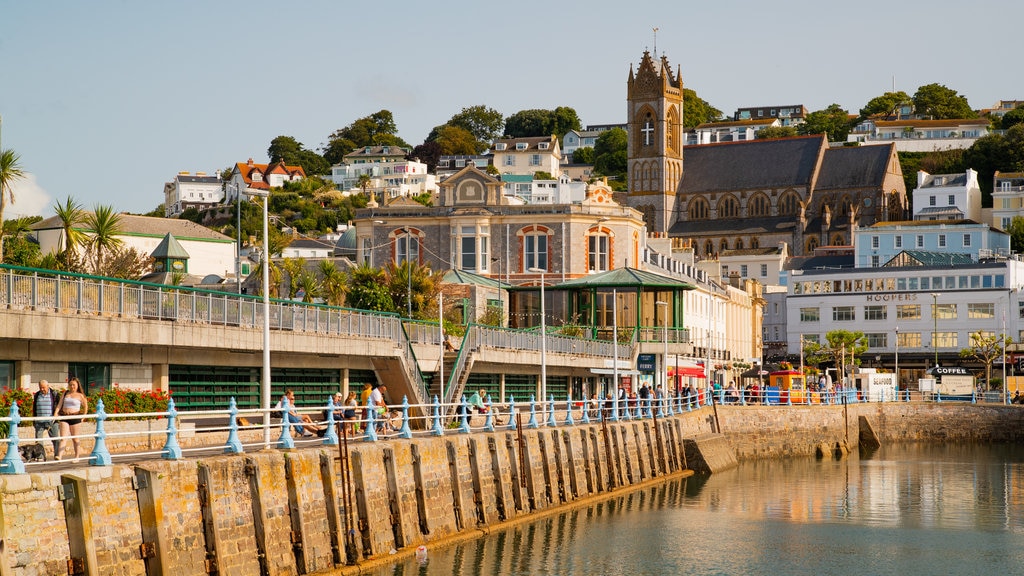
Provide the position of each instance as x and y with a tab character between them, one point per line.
10	172
104	226
364	182
333	285
70	214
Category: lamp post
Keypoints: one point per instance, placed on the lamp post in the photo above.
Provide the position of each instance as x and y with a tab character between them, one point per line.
543	339
238	246
265	265
897	368
665	357
408	265
935	325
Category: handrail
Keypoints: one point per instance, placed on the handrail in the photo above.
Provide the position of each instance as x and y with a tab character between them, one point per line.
397	423
470	342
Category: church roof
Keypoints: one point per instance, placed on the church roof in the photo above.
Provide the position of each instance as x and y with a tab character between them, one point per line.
854	167
753	164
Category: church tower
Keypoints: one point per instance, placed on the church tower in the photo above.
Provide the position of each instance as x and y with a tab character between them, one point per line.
654	100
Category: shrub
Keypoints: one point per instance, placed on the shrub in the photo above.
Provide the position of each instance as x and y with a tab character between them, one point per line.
7	397
127	401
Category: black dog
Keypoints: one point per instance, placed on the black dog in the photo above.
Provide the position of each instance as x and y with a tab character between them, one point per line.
32	452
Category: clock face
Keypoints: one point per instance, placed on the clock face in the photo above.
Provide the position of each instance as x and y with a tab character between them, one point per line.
178	265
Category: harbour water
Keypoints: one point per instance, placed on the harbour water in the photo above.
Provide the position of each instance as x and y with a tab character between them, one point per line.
904	510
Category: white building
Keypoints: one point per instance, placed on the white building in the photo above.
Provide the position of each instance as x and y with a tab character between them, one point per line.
260	176
735	131
947	196
389	177
531	191
527	156
921	135
209	252
1007	198
189	190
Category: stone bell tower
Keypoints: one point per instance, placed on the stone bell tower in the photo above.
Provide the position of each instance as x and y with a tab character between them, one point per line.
654	114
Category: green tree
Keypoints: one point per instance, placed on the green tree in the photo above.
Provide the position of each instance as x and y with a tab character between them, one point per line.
10	172
377	129
1012	118
1003	152
333	283
772	132
71	215
429	153
697	111
457	140
886	105
368	289
538	122
18	249
125	262
610	154
986	349
940	102
485	124
843	347
290	151
833	121
583	155
1016	231
104	226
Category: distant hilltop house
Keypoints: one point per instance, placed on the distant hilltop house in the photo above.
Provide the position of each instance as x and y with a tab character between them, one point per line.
788	115
1002	107
187	190
391	174
259	176
736	131
573	140
921	135
527	156
192	249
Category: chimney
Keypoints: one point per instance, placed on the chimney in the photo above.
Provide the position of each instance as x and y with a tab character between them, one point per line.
249	163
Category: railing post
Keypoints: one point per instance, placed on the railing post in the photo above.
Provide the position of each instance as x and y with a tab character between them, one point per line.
660	412
585	418
234	445
464	427
405	431
615	407
568	411
285	440
172	451
12	462
533	413
100	455
371	426
489	420
511	412
551	415
438	430
331	435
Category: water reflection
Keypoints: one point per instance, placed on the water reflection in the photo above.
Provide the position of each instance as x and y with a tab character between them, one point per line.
902	510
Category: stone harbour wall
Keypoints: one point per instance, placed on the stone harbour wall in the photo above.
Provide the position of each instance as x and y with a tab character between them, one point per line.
323	509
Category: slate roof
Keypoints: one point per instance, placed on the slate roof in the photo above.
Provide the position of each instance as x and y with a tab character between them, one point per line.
944	180
752	164
854	167
821	262
132	225
464	277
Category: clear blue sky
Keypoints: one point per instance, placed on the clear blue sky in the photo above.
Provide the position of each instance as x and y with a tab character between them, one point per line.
106	100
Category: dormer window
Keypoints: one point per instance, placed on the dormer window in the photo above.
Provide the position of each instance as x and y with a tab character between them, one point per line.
520	145
543	145
256	176
367	149
386	150
500	146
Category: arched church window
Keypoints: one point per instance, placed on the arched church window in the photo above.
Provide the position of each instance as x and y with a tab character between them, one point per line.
759	206
812	243
728	207
709	248
755	243
789	204
723	245
698	209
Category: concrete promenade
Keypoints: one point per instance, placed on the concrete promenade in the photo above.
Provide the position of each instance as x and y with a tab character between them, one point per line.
316	509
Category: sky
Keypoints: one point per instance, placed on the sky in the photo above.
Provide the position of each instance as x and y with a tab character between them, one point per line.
107	100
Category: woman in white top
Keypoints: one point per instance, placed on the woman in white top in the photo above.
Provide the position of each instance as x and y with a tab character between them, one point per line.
72	403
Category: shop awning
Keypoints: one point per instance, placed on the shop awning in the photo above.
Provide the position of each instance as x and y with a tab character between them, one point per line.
691	371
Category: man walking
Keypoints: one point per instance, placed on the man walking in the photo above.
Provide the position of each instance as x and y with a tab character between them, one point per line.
44	404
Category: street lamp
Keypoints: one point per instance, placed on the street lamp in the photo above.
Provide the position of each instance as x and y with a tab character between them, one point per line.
408	266
265	265
543	339
935	325
665	358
